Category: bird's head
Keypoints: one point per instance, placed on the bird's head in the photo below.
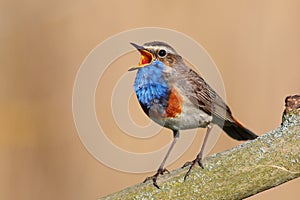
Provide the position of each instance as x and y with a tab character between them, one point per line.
156	51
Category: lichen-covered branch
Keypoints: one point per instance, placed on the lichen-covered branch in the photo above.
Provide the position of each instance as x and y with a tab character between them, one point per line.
252	167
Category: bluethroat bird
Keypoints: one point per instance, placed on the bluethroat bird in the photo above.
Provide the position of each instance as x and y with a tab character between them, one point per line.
176	97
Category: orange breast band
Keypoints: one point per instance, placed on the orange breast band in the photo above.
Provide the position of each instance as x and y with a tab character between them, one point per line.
174	104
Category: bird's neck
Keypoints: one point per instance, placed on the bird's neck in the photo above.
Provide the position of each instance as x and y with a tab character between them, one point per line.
150	85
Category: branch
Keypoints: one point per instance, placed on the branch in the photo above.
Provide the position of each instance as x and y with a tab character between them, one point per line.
250	168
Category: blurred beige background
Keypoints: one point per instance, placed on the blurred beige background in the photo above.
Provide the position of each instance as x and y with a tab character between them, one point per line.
255	44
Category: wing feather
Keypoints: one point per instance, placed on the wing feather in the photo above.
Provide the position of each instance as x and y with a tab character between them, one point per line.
202	95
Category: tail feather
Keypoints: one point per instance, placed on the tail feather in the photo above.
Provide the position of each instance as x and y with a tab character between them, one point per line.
237	131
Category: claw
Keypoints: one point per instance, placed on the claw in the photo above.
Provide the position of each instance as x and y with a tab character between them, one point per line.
192	164
186	164
154	177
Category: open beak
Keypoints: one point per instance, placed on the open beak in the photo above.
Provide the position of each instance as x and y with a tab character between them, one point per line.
146	57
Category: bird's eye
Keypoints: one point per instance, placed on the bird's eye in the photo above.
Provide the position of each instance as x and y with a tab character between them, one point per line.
162	53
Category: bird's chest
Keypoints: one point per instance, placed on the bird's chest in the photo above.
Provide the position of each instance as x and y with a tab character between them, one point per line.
151	89
190	116
165	104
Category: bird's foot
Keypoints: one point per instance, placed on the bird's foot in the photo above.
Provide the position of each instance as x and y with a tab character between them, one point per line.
154	177
192	164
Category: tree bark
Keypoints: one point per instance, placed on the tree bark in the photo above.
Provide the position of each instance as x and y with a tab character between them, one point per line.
250	168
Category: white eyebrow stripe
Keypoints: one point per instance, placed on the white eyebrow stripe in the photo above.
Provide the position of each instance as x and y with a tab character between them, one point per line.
155	48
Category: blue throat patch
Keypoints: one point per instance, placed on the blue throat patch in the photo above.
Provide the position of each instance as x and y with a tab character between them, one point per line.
149	85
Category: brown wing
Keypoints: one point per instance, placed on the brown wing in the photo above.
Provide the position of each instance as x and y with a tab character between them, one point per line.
202	95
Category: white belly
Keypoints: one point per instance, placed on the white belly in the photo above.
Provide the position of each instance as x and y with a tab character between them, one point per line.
190	117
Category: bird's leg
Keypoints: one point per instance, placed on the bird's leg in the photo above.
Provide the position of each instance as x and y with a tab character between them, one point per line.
161	168
199	156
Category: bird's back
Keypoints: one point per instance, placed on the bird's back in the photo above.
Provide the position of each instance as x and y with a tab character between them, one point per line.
199	92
